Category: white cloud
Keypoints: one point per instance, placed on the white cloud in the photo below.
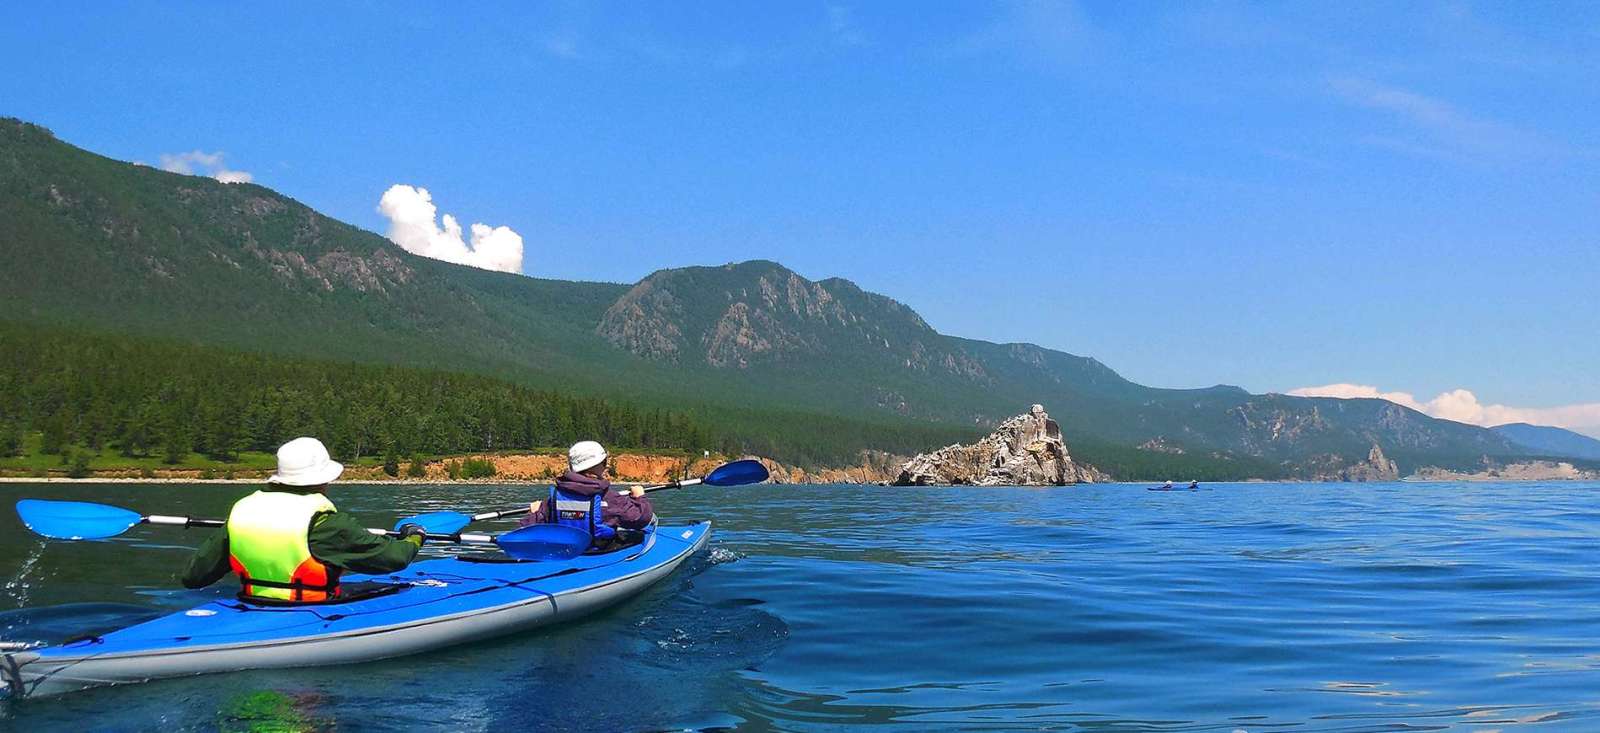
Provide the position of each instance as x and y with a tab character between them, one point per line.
414	225
1462	405
1447	130
198	162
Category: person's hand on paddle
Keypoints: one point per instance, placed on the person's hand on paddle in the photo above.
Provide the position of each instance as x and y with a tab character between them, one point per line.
533	508
414	533
636	492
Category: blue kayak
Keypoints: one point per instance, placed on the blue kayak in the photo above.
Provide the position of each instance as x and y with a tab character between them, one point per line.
430	605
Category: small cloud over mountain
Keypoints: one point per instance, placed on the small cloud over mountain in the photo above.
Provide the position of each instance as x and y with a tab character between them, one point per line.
414	224
200	163
1462	405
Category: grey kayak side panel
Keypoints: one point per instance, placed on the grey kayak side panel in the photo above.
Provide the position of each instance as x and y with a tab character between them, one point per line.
41	676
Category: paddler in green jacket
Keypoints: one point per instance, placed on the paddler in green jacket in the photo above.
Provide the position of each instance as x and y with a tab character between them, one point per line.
288	544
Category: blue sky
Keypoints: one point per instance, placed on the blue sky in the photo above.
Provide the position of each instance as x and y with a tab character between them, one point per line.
1279	195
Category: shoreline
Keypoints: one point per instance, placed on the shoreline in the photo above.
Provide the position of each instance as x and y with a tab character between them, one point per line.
263	480
515	481
509	468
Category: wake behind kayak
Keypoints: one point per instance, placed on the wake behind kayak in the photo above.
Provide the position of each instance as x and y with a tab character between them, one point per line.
430	605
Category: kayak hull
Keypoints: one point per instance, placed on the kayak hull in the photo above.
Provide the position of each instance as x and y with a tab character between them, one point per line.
441	603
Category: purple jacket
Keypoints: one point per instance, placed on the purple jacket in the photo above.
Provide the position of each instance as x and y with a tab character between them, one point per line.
619	510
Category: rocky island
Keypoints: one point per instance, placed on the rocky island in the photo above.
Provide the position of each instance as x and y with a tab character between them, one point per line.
1026	450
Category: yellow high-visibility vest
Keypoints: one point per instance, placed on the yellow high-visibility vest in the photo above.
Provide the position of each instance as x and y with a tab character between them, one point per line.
270	551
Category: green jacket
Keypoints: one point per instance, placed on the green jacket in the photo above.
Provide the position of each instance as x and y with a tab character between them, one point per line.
336	539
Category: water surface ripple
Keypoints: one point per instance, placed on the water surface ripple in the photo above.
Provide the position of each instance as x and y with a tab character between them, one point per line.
1245	607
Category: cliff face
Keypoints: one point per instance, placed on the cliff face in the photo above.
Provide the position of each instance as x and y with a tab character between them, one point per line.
631	468
875	467
1026	450
627	467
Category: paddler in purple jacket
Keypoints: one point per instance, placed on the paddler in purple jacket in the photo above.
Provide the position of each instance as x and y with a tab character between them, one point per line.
583	498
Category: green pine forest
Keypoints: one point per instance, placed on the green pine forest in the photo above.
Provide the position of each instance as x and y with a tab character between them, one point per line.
143	402
141	399
67	396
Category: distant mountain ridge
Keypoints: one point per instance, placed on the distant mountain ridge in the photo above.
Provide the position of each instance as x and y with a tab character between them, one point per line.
802	370
1551	441
759	320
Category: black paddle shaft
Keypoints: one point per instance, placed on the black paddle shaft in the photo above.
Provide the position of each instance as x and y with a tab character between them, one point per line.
519	511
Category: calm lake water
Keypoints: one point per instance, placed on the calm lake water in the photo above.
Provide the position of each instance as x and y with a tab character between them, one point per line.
1258	607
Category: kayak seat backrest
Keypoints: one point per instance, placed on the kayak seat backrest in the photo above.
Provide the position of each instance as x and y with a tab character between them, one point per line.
622	540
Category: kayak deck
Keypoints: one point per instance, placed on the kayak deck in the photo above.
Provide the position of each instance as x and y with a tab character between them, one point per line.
438	603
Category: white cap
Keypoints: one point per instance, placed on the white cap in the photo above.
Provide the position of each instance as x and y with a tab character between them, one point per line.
305	462
585	454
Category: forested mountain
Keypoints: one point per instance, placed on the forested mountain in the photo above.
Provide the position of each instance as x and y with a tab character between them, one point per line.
807	371
833	344
95	245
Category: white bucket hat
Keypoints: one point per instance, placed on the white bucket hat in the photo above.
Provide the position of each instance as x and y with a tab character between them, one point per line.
305	462
585	454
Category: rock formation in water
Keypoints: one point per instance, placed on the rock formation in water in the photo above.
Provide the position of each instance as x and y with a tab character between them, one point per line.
1026	450
1377	467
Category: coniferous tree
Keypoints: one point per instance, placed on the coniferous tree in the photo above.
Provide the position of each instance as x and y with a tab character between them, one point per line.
10	439
175	444
80	465
54	433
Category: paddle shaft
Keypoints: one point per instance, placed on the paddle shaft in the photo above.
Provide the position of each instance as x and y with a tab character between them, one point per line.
467	538
519	511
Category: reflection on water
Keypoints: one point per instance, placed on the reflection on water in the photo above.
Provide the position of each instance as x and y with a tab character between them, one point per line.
270	711
1251	607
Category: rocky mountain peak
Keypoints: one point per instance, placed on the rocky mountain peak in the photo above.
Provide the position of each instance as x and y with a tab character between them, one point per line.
750	313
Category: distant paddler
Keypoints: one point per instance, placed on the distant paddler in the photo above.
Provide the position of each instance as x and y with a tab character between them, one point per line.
289	544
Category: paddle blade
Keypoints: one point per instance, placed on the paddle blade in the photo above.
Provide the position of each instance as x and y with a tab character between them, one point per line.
544	542
737	473
75	520
437	522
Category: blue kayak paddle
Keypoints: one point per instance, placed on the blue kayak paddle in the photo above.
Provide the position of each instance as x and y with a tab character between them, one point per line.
437	522
735	473
544	542
79	520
